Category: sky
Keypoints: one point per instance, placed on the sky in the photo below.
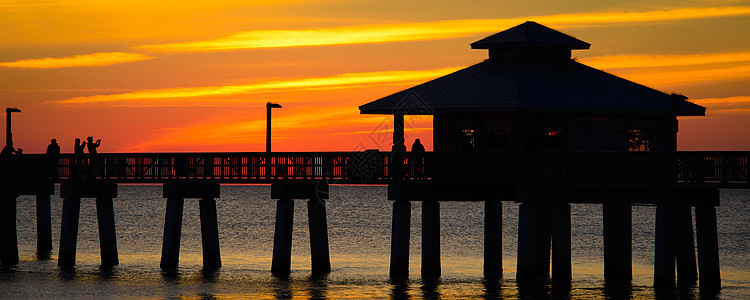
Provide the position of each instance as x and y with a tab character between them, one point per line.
185	76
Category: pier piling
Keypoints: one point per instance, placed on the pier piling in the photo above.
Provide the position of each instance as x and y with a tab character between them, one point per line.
399	268
281	263
430	239
687	270
534	236
318	226
170	250
210	234
69	231
708	248
43	225
493	240
105	214
617	222
8	230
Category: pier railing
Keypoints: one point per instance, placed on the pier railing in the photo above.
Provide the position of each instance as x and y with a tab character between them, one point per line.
374	167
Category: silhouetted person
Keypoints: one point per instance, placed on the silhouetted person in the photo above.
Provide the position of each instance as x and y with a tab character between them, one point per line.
19	151
93	160
53	149
78	150
417	150
8	150
91	145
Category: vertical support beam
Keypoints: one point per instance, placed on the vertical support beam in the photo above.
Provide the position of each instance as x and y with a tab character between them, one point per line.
43	226
398	133
687	271
170	249
399	268
559	214
8	232
210	234
318	224
664	252
533	243
69	231
281	263
105	215
618	221
708	248
493	239
431	240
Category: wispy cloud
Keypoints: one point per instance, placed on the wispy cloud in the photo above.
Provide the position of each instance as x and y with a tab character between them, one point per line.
366	34
669	78
177	96
731	105
651	61
85	60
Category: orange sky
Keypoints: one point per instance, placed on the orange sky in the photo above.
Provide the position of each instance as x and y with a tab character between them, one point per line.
195	75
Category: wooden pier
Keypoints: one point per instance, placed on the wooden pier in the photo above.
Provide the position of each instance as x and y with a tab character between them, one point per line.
545	183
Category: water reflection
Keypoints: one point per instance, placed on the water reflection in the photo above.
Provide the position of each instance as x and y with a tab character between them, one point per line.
400	290
430	289
614	289
492	289
281	289
44	255
67	273
318	287
209	275
533	290
106	272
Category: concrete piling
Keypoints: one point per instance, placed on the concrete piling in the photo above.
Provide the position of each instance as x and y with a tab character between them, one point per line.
534	237
708	248
687	270
431	240
318	226
493	240
69	231
8	230
105	214
282	242
43	225
399	268
170	250
617	223
210	234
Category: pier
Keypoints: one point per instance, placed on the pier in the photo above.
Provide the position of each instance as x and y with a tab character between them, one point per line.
528	125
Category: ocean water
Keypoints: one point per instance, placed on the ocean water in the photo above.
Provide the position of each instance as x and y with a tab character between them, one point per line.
359	225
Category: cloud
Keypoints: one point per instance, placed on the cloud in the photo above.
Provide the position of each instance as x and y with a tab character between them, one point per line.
730	105
85	60
651	61
177	96
367	34
667	78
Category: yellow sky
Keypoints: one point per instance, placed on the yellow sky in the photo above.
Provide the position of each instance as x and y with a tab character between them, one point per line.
194	76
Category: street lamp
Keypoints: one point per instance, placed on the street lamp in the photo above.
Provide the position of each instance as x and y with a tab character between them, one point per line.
269	106
8	134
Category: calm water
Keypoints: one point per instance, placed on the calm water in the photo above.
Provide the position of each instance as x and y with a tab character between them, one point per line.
359	230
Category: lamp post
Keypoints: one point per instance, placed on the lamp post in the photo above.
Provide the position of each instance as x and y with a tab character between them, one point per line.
269	106
8	133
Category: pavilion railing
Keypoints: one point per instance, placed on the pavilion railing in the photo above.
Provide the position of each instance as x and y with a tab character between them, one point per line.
386	167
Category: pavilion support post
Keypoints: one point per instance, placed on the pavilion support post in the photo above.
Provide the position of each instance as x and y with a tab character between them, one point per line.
170	249
664	248
105	214
399	268
43	226
8	230
708	248
687	270
493	240
69	231
617	221
559	214
398	132
281	263
534	236
210	234
318	225
431	239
